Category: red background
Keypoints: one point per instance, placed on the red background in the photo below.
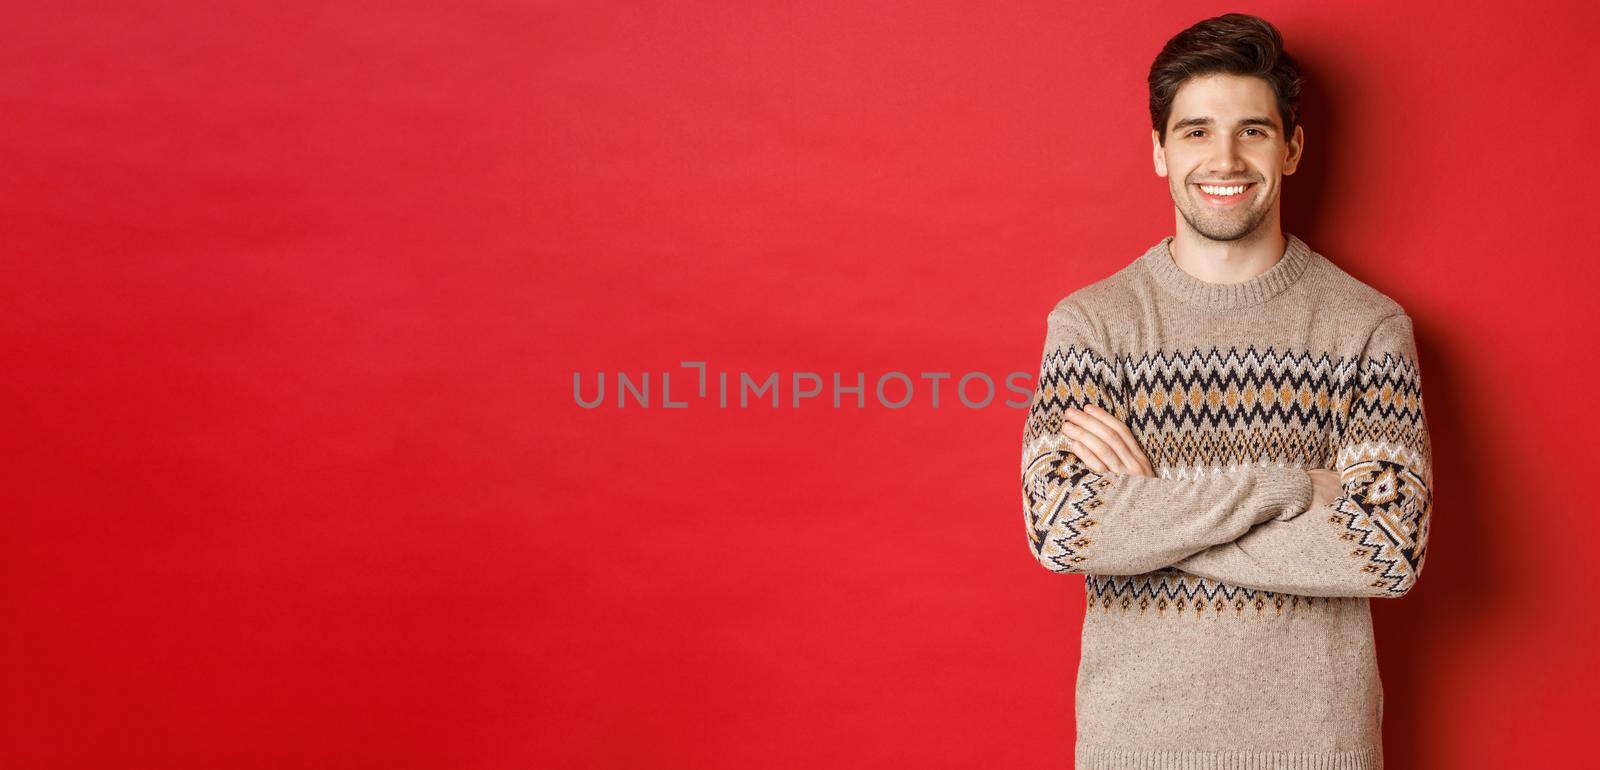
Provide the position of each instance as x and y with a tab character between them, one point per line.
293	299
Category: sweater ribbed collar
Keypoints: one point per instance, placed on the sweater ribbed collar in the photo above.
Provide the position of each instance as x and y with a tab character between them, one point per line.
1222	296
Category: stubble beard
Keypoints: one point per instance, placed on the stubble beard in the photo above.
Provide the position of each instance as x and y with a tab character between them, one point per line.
1218	225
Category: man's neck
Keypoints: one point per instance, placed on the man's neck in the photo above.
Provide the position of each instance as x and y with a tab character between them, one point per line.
1228	261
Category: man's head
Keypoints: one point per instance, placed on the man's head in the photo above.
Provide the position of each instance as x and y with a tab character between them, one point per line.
1224	110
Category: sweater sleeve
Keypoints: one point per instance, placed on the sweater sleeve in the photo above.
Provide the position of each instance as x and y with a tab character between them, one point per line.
1371	540
1080	521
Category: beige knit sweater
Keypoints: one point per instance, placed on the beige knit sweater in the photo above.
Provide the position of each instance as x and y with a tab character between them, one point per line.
1227	621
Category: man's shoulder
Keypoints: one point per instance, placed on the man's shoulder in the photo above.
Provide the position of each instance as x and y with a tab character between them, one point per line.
1336	287
1105	296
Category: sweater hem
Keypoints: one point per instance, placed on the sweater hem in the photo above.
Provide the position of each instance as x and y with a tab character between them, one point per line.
1104	758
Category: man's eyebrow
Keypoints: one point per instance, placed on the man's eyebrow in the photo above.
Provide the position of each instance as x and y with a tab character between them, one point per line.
1251	121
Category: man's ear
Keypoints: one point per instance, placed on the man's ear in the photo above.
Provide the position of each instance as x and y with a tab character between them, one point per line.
1159	153
1297	144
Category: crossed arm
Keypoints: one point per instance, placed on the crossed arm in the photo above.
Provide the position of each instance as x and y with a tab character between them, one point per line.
1094	505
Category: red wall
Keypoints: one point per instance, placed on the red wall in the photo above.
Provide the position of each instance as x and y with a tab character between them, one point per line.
293	300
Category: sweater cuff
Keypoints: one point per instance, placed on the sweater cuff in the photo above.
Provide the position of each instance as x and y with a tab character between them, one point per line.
1288	491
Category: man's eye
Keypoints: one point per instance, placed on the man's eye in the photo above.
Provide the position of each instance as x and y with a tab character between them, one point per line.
1257	130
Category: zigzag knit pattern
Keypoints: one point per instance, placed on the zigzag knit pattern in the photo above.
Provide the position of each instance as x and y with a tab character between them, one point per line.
1171	591
1210	409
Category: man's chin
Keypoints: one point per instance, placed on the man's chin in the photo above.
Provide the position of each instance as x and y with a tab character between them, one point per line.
1223	231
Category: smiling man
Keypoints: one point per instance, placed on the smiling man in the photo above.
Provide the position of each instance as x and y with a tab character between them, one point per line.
1227	441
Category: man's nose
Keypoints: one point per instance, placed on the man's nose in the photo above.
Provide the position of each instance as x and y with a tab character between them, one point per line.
1226	159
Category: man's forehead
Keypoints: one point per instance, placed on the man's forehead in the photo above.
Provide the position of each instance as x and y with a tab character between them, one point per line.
1219	93
1224	100
1253	119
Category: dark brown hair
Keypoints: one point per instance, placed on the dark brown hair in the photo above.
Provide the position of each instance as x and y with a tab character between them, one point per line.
1233	43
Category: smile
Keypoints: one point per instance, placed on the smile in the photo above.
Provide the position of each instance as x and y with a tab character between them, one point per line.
1224	195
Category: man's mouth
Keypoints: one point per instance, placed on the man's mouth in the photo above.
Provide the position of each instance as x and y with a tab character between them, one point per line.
1225	194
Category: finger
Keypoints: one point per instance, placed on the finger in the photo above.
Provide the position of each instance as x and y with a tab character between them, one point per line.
1108	443
1095	445
1087	456
1120	439
1144	460
1086	453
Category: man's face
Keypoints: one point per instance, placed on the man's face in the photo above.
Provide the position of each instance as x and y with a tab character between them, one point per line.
1224	131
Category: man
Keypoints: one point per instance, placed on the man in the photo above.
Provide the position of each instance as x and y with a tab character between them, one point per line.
1227	440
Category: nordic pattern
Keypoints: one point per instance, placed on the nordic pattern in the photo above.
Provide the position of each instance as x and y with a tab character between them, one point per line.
1216	409
1060	493
1175	592
1387	474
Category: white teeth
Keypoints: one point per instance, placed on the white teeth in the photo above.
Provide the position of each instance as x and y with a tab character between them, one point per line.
1234	190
